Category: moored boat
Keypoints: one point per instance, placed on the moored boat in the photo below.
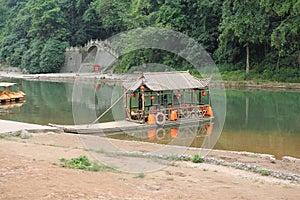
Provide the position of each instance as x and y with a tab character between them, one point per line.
7	95
166	97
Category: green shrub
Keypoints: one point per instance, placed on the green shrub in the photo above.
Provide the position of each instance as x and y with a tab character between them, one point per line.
287	75
263	172
233	75
82	162
197	159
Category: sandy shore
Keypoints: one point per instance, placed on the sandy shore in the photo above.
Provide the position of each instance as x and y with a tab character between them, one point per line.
29	169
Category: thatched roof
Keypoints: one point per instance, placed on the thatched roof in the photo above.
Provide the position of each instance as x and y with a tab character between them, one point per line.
160	81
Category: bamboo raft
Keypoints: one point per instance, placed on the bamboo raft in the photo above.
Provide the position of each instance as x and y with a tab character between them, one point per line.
124	125
8	96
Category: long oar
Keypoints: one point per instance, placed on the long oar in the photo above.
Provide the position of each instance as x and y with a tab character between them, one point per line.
113	104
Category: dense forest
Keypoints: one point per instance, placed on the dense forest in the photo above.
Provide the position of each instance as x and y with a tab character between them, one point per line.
250	39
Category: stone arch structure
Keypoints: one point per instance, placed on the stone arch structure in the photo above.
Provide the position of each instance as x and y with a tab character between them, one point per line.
104	55
94	52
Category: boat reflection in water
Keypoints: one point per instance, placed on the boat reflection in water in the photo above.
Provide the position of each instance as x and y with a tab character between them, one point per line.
198	135
11	108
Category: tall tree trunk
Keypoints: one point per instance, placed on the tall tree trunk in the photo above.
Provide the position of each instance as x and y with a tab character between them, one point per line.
277	64
247	59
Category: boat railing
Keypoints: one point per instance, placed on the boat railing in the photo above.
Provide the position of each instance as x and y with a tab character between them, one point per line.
191	110
187	110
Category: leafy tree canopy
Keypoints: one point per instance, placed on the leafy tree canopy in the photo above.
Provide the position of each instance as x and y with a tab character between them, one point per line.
256	36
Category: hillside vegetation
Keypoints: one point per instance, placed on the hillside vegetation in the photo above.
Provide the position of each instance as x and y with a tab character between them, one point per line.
251	39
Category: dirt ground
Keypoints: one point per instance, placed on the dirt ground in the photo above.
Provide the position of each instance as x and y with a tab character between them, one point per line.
29	169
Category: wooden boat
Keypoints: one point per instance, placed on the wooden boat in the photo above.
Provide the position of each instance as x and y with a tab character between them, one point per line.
125	126
164	97
7	96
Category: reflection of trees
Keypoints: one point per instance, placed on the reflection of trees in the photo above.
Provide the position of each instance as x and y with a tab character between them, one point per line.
267	111
46	103
93	98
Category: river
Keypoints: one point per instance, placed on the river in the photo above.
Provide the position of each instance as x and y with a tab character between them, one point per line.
262	121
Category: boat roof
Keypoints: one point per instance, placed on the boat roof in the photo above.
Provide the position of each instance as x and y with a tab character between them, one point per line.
161	81
6	84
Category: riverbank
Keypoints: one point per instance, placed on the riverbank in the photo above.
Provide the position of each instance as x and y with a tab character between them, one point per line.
69	77
262	85
34	163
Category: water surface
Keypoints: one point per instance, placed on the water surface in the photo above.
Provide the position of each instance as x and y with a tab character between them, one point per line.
262	121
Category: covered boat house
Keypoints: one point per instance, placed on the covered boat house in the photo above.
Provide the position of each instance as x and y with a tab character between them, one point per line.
160	97
6	95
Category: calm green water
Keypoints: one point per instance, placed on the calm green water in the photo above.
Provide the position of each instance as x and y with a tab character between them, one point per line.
263	121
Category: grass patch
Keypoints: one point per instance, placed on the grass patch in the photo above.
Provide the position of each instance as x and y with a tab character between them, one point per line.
239	167
83	163
197	159
253	156
140	175
18	134
263	172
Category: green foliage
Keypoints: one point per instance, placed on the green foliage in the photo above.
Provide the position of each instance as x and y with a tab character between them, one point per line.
233	75
242	23
31	58
18	134
112	14
33	33
44	57
263	172
197	159
82	162
52	56
18	49
140	175
287	27
48	20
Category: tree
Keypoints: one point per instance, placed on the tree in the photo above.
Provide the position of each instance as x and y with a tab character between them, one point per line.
141	13
243	21
285	36
19	48
111	14
14	28
204	19
52	56
31	58
8	10
171	15
47	20
76	25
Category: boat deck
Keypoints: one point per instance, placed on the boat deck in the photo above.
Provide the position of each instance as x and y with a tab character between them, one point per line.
124	125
